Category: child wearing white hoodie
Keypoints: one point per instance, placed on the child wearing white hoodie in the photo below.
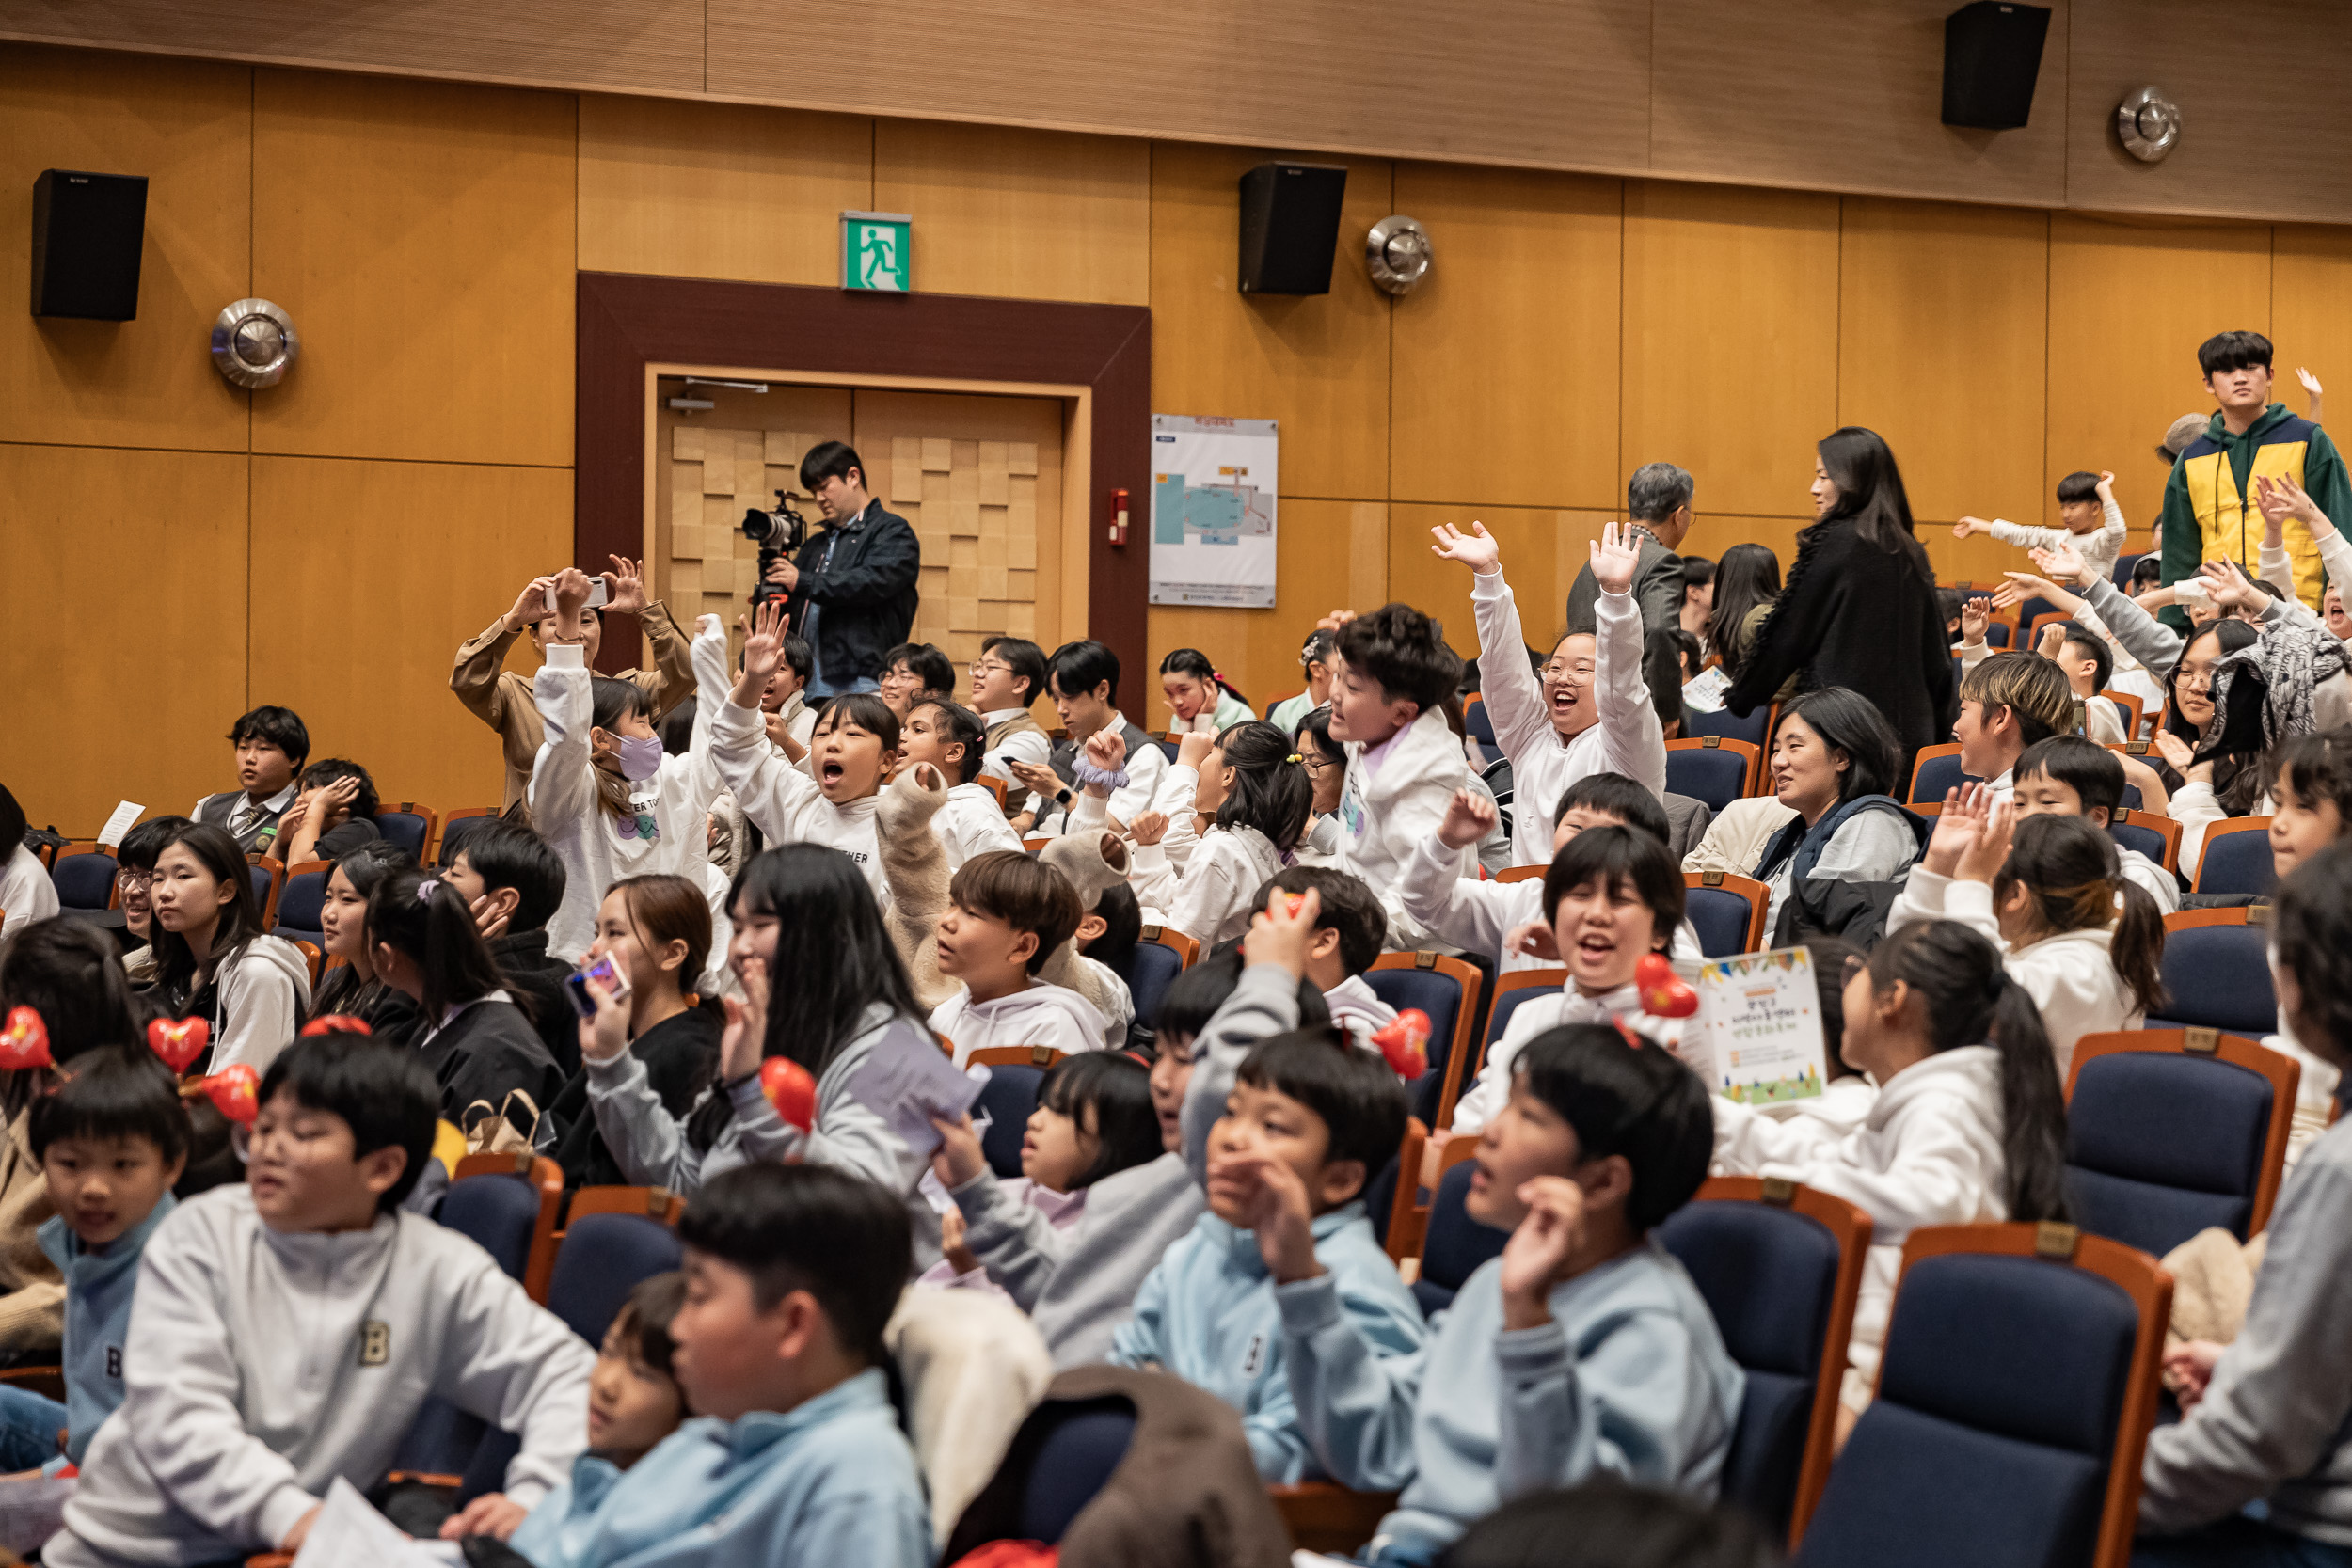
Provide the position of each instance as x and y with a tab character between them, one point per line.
1393	677
286	1332
1590	713
602	793
1249	784
1006	915
1969	1124
950	737
2048	889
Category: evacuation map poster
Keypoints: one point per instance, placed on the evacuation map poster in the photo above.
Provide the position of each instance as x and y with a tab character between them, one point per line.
1212	491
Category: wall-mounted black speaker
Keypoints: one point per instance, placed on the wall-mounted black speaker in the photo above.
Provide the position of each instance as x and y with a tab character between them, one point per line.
87	233
1991	54
1289	227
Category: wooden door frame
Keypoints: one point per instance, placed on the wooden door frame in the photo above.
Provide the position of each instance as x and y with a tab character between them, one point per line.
628	325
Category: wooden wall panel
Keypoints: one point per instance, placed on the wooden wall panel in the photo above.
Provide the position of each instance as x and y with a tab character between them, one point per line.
2129	303
1542	552
1828	94
1730	339
645	45
1514	81
2263	129
1318	362
1943	312
1257	649
718	190
421	236
122	672
1030	214
188	127
391	711
1500	388
2310	305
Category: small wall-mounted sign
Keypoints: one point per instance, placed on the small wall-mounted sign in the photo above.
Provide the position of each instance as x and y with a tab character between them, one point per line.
876	251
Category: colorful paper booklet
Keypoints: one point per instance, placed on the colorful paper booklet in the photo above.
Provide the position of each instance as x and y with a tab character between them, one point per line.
1761	1016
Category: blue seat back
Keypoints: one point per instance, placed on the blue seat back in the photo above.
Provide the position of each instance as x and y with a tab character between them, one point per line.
2036	605
603	1257
1071	1451
454	836
300	900
1723	722
1380	1197
2236	863
1476	720
83	881
259	876
1720	916
2125	561
2131	801
1769	1278
1168	749
2131	835
1498	1020
1455	1243
2219	976
1999	1395
498	1210
1441	998
1937	777
1997	634
1150	969
2161	1146
404	827
1008	1099
1715	777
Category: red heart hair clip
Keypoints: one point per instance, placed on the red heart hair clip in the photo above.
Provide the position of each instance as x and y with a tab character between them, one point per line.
336	1023
24	1042
1664	994
790	1090
1400	1041
235	1092
179	1041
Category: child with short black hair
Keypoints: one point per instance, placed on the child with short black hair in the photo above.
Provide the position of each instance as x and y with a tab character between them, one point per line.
286	1331
334	814
912	673
1314	657
1007	680
1584	1350
513	880
1310	1120
111	1137
135	881
1350	929
2088	519
2069	776
634	1401
1388	701
1006	915
271	745
950	737
2087	664
796	1460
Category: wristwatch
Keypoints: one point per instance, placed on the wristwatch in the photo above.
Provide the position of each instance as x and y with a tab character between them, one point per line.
1061	796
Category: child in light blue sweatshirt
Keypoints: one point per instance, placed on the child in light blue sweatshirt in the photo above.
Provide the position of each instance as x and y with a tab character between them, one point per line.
111	1138
1584	1350
797	1460
1311	1117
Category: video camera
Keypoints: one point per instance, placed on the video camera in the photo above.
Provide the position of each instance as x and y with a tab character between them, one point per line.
777	534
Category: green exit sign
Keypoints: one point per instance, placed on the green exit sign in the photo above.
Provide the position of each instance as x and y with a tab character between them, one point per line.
875	252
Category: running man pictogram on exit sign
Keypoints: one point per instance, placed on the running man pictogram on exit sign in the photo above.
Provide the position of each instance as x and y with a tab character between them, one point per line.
876	251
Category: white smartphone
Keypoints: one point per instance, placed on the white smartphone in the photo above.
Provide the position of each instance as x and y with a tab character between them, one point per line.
599	595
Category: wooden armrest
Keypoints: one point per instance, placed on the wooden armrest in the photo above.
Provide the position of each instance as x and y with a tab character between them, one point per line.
1323	1516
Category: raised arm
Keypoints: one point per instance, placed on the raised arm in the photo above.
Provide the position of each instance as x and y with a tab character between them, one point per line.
1470	915
1633	742
563	776
1514	697
1265	1003
672	675
475	677
770	790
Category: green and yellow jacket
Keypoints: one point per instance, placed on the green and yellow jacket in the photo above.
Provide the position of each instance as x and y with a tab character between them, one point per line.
2209	511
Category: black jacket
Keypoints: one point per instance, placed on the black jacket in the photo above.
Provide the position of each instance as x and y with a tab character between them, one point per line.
1657	587
862	576
522	957
1855	616
487	1054
681	1057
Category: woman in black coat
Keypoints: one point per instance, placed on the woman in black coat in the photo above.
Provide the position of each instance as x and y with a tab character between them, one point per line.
1859	609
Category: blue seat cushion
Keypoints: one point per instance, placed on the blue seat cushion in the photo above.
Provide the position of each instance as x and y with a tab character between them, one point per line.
1721	919
1438	995
1768	1445
301	899
2149	1216
1924	1493
602	1259
2182	1121
1150	970
1455	1244
83	882
2236	863
1505	1005
498	1210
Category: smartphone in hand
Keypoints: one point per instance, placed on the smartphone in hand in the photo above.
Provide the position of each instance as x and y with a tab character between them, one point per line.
612	976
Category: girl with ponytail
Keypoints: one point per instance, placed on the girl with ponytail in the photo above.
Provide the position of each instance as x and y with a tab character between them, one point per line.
1201	701
423	943
2083	938
1969	1125
1251	788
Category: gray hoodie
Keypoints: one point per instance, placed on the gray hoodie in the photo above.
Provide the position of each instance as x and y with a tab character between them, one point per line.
261	1365
260	993
1079	1285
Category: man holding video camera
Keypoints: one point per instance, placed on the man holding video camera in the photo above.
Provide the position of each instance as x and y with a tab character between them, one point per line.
853	586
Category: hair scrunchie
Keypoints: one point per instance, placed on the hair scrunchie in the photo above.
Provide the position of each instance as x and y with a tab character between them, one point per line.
424	889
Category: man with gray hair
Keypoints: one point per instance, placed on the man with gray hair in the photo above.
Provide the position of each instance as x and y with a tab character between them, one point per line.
1658	500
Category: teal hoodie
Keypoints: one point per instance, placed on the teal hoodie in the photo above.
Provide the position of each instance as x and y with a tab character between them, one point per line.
1207	1314
98	1289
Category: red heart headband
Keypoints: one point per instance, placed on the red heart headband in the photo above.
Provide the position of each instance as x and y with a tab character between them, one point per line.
336	1023
25	1042
179	1041
1401	1040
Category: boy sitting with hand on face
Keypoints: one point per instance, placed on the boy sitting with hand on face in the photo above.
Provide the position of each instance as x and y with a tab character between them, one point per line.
1348	934
1006	915
797	1460
1308	1120
1584	1350
286	1332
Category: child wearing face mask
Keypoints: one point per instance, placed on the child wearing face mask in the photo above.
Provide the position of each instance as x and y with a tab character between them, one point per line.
603	794
1614	896
854	751
1093	1118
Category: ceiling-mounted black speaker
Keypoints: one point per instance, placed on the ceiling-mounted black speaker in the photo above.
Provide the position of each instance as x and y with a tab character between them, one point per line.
86	233
1289	227
1991	54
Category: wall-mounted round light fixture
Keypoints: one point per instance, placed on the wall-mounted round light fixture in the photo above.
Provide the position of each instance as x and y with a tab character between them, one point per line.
2149	124
1397	254
254	343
